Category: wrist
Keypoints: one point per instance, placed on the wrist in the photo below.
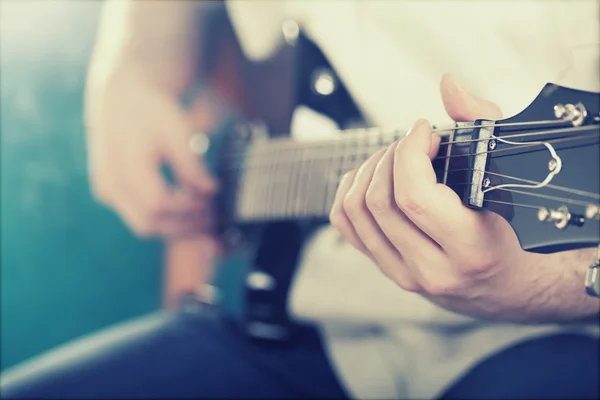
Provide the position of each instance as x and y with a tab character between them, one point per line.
550	287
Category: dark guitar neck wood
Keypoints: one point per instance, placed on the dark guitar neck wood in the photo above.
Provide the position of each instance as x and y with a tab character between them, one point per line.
283	179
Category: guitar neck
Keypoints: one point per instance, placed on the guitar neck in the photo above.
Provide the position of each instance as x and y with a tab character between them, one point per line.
283	179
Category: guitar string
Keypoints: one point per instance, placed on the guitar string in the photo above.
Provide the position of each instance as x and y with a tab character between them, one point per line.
582	193
554	198
556	187
519	153
526	144
356	133
286	143
535	144
511	204
451	185
575	191
252	165
325	212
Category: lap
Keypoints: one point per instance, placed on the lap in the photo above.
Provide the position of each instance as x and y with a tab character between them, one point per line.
562	366
177	355
202	355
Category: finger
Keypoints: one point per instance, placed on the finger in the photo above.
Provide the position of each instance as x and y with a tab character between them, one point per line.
182	202
382	251
433	208
337	215
463	106
177	226
143	195
187	166
404	235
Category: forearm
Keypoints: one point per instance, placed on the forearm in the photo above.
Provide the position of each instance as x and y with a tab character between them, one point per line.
553	287
159	37
537	288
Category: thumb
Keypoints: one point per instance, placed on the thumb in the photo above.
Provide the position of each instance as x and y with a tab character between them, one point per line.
188	167
463	106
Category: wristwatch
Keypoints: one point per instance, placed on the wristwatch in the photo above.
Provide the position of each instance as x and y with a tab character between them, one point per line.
592	278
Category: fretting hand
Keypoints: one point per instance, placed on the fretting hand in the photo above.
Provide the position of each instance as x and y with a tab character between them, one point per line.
419	233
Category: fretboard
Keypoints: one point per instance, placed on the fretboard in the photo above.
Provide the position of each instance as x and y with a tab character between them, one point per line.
284	178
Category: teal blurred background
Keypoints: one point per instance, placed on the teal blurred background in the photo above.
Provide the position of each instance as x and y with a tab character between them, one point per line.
68	265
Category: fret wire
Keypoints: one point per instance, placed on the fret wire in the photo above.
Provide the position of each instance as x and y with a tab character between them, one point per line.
305	192
335	165
300	190
314	185
270	180
264	170
289	199
282	171
318	179
448	153
251	183
256	205
326	168
308	195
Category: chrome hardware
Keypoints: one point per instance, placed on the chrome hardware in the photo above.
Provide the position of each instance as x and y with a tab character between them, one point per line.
592	211
199	143
575	114
486	182
555	166
559	110
323	81
291	31
492	144
258	280
592	277
561	217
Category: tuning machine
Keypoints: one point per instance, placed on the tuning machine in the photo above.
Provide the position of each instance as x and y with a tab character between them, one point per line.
573	113
560	217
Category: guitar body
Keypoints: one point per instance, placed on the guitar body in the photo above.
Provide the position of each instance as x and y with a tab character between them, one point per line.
270	91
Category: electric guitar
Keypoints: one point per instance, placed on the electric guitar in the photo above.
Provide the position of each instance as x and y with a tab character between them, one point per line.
540	170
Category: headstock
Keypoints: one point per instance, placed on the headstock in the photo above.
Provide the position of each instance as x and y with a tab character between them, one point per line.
540	170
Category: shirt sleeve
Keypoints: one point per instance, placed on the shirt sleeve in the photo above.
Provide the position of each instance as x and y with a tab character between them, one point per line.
257	24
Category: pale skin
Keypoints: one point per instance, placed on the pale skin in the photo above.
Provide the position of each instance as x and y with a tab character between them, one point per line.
144	58
421	236
415	230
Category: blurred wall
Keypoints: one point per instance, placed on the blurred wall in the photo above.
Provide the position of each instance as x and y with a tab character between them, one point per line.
68	265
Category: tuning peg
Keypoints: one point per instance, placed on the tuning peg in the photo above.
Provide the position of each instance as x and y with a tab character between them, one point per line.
592	211
561	217
574	113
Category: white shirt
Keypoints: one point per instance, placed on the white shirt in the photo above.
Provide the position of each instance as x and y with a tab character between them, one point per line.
384	342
